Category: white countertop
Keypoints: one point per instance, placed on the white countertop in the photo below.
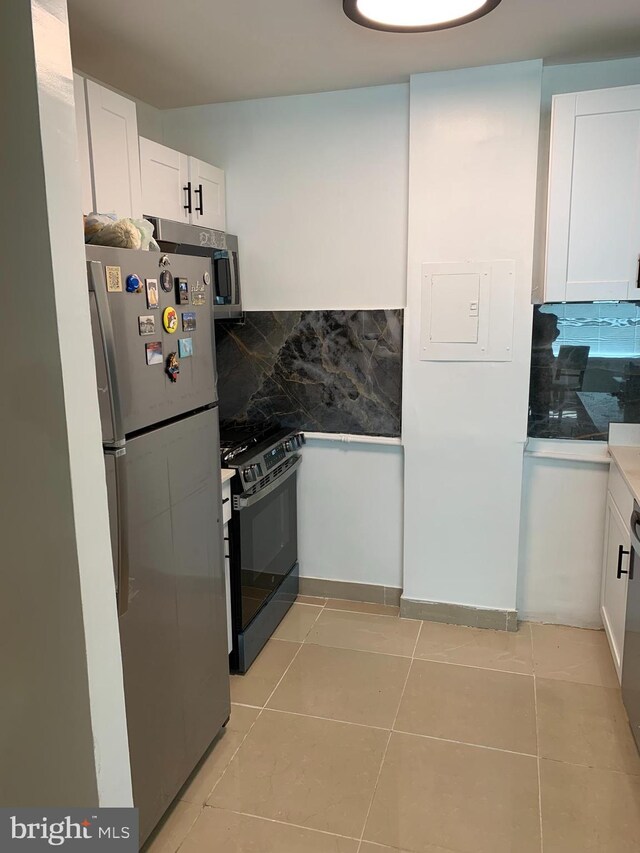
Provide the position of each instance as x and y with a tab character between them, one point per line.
226	474
628	461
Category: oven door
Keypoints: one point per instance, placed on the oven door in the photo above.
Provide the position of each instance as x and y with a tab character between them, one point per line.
268	539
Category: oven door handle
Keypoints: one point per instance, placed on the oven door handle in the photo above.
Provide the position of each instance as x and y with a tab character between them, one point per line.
243	501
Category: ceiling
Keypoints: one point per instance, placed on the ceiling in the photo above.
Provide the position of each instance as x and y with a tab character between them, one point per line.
174	53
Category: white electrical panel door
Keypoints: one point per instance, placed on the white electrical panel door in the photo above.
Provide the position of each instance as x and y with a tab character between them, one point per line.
455	301
593	220
115	159
207	186
165	181
467	311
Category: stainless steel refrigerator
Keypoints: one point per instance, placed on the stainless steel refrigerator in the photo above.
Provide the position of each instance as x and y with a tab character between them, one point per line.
152	322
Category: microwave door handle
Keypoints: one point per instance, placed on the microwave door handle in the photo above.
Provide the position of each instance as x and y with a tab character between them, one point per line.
98	286
233	274
122	522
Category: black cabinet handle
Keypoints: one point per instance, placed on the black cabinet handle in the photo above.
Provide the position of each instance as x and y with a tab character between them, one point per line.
621	571
225	501
187	189
200	209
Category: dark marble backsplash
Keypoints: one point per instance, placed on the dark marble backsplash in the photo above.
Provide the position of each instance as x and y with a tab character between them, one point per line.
320	371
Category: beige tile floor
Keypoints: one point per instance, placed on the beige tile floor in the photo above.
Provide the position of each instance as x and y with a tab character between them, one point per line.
356	731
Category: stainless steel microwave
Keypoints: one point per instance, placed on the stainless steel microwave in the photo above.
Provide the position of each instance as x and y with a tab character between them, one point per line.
220	248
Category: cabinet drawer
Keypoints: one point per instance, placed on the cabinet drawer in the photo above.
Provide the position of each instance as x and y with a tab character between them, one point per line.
620	493
226	503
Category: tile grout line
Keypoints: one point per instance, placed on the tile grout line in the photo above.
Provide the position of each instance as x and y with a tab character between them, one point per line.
386	749
283	823
253	723
535	702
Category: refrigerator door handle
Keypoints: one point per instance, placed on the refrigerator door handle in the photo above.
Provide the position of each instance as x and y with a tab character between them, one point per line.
122	538
97	285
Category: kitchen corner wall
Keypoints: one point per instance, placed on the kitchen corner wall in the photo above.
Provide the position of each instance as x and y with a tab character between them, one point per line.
317	192
473	171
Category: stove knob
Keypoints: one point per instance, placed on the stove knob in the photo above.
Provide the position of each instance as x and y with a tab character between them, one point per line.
251	473
300	439
289	445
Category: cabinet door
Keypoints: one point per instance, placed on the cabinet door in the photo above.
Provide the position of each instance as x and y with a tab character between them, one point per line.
614	589
207	183
164	174
113	137
593	223
82	130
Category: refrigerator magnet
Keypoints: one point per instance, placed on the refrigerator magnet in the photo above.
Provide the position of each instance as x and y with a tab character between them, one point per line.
166	281
134	283
189	321
154	352
173	367
198	298
114	279
170	320
147	324
185	347
182	291
151	286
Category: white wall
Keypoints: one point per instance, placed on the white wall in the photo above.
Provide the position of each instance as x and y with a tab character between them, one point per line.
473	162
561	541
63	738
350	512
316	190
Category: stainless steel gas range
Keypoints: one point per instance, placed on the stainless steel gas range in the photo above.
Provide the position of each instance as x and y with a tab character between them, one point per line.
263	533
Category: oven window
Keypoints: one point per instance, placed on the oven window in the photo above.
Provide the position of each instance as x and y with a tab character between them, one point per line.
271	533
268	546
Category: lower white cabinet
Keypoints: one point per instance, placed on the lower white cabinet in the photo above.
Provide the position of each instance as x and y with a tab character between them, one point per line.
613	601
226	516
227	584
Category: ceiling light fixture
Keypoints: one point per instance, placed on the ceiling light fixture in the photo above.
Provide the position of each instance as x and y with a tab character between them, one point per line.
416	16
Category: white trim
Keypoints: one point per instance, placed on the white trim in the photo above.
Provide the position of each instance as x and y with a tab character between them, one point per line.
591	452
353	439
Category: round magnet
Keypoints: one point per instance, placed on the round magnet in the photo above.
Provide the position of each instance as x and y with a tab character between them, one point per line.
206	278
134	283
166	281
170	320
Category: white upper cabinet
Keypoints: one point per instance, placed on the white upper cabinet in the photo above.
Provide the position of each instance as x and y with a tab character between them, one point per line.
82	129
593	220
181	188
208	199
165	182
113	143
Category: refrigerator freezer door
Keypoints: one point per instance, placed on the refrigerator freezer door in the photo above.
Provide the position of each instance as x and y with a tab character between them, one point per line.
173	635
134	388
